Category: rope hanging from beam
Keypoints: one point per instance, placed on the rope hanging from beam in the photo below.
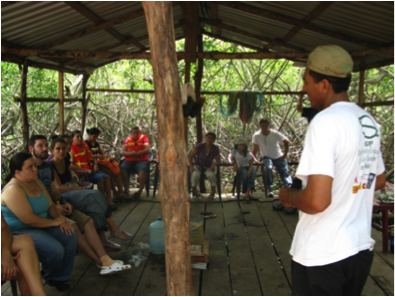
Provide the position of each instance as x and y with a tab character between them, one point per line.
250	102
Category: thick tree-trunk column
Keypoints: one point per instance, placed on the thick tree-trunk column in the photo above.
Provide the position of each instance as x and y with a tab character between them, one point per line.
85	102
173	166
61	103
23	106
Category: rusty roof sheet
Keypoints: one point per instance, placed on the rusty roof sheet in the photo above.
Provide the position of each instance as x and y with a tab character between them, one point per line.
34	24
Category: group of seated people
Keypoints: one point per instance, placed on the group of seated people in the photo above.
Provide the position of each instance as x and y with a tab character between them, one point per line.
46	209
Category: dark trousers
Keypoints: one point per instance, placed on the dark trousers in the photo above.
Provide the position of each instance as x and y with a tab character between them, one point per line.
344	278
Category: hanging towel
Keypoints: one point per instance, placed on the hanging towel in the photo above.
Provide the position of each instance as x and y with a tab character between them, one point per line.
250	102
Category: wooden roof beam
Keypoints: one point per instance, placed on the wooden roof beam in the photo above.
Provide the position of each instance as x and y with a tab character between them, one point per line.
312	15
220	37
97	20
214	18
20	60
8	3
191	27
60	62
295	22
251	35
25	52
374	65
95	28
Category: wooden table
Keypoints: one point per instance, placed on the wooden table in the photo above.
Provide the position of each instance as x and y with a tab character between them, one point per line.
384	207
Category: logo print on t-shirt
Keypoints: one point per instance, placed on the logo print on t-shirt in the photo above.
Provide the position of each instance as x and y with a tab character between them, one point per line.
369	128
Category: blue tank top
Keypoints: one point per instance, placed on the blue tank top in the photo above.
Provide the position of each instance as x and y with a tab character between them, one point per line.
40	206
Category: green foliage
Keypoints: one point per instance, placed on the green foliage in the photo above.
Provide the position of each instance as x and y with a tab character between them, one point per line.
116	113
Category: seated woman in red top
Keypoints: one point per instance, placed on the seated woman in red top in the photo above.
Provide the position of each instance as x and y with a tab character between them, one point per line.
136	150
81	156
107	164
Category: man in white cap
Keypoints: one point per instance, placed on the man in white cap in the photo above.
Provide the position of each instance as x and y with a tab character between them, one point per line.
341	167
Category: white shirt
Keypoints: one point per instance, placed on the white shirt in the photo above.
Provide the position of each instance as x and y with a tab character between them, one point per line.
343	141
240	159
269	145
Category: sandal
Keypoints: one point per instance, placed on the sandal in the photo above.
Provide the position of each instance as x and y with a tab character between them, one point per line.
136	195
114	268
210	197
114	235
112	245
115	261
198	196
210	216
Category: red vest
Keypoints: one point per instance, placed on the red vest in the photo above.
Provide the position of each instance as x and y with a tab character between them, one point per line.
135	146
82	158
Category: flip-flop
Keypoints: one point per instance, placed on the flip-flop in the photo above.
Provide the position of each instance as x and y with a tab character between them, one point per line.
114	268
113	246
210	216
136	195
115	261
210	197
114	235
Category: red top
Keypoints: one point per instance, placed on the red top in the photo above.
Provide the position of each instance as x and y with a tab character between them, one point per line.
136	146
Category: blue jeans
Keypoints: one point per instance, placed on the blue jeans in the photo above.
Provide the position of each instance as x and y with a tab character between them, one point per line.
55	250
97	176
134	167
247	182
282	168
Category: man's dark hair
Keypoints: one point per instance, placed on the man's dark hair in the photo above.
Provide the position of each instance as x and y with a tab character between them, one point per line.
66	136
34	138
264	120
339	84
135	128
93	131
211	133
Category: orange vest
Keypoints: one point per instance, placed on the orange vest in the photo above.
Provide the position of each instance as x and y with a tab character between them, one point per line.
135	146
82	158
114	166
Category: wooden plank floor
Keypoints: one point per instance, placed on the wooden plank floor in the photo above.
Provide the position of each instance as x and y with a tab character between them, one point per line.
249	254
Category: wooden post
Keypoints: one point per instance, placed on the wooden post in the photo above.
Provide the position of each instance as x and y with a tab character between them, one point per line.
361	87
61	103
187	79
85	101
198	87
23	106
173	166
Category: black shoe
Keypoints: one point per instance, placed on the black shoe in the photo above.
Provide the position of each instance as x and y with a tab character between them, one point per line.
60	286
290	210
278	207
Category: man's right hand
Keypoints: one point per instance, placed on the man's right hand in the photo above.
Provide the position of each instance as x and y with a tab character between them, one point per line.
63	209
235	167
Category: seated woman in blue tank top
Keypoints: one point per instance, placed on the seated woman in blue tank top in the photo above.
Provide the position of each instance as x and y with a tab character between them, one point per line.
28	209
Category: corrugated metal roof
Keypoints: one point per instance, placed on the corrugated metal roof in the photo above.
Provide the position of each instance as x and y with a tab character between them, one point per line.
34	24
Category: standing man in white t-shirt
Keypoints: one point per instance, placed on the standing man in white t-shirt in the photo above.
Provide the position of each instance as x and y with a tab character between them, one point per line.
268	141
341	167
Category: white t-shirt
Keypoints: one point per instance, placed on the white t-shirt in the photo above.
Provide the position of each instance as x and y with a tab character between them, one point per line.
343	141
269	145
240	159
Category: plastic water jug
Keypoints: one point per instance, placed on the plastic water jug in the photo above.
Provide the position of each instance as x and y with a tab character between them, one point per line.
157	237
